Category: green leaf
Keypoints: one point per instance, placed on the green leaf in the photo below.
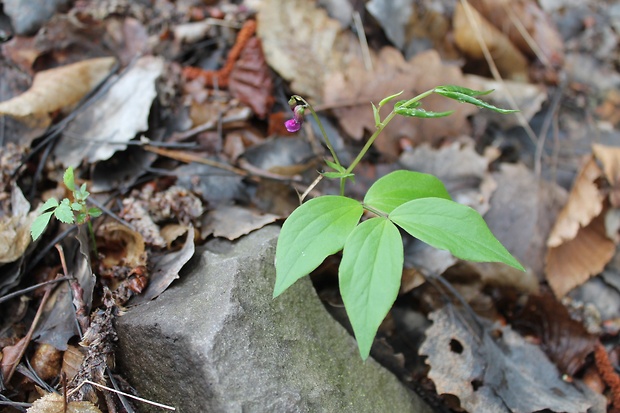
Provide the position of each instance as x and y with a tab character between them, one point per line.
94	212
312	232
465	98
461	90
335	175
407	104
49	204
398	187
375	112
370	274
420	113
64	213
68	179
447	225
81	218
335	166
76	206
39	225
387	99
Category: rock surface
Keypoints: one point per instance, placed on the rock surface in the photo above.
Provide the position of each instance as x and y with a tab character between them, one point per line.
217	342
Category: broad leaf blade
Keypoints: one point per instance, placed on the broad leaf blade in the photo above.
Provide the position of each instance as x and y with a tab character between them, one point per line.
398	187
64	213
50	203
370	274
68	179
448	225
312	232
39	225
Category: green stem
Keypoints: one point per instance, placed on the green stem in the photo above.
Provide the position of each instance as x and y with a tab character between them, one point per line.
382	126
375	211
325	137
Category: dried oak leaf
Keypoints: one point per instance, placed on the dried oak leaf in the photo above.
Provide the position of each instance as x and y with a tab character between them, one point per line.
250	80
494	374
585	202
351	90
509	60
573	262
56	89
303	44
609	157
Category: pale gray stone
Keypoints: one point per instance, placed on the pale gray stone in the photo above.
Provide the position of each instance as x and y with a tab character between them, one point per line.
216	341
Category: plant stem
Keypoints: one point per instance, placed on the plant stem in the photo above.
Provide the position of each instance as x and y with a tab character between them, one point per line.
375	211
325	137
382	126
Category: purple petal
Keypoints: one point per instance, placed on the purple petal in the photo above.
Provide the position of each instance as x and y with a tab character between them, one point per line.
292	125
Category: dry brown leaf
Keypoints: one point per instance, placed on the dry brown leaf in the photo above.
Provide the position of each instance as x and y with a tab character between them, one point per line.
609	157
508	15
350	92
55	403
575	261
56	89
120	245
46	361
585	202
15	227
232	222
250	80
72	360
303	44
510	62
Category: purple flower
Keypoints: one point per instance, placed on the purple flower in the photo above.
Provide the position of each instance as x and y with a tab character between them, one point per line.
294	125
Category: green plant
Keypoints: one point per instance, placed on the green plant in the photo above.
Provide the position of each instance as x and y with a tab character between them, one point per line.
65	210
372	259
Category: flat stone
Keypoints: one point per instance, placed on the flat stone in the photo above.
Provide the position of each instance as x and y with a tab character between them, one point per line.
216	341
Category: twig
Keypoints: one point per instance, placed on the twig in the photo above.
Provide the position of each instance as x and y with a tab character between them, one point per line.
101	386
31	288
190	157
361	35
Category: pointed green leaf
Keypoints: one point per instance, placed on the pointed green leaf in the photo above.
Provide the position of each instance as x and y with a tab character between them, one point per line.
335	166
375	113
407	104
421	113
337	175
68	179
369	277
312	232
448	225
464	98
94	212
64	213
398	187
387	99
49	204
39	225
461	90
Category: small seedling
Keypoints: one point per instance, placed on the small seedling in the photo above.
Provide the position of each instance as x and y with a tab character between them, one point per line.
66	211
372	259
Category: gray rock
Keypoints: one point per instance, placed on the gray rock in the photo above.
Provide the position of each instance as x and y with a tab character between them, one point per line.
217	342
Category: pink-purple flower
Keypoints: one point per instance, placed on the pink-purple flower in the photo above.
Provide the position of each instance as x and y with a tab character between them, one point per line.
294	125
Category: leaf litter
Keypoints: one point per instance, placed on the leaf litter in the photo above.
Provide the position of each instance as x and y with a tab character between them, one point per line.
178	159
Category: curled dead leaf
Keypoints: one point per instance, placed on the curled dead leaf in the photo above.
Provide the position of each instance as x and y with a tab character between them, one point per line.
585	202
46	361
55	89
609	157
469	24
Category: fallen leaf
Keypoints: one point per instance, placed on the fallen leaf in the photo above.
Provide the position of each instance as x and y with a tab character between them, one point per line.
303	44
46	361
510	62
350	91
72	360
120	245
585	202
104	127
565	340
11	356
609	157
165	269
516	17
232	222
56	89
55	403
494	371
250	80
58	321
15	226
573	262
